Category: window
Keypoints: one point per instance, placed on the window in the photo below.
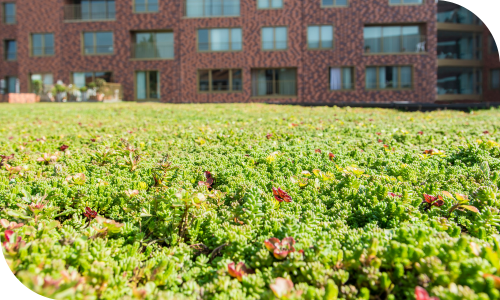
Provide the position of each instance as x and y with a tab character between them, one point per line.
495	79
274	82
269	4
394	39
493	46
223	80
12	85
153	45
147	85
459	45
41	83
389	77
212	8
404	2
334	3
453	13
341	78
459	81
42	44
10	50
144	6
81	79
88	10
221	39
9	13
320	37
98	43
274	38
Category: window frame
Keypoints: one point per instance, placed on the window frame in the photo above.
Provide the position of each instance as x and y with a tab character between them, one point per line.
334	4
274	38
353	70
320	41
4	15
205	16
421	28
7	91
71	74
275	95
269	5
146	5
399	78
5	50
94	33
405	4
43	44
147	86
30	82
210	43
210	91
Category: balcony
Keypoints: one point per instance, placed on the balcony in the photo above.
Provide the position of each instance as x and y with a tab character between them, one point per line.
90	11
145	50
274	88
397	44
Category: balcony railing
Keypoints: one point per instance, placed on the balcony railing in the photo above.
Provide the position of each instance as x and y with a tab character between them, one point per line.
396	44
221	46
153	50
10	19
212	8
43	51
90	12
9	55
274	88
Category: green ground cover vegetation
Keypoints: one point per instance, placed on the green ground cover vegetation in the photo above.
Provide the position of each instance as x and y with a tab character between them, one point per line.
154	201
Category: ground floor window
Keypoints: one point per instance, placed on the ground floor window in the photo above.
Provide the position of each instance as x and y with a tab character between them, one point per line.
41	83
274	82
495	79
341	78
222	80
147	85
88	79
459	80
11	85
389	77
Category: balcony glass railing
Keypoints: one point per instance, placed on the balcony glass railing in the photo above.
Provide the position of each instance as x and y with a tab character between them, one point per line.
212	8
459	81
453	13
396	44
98	10
275	87
41	51
153	50
459	45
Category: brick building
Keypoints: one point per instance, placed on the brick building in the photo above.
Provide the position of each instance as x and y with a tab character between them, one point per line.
293	51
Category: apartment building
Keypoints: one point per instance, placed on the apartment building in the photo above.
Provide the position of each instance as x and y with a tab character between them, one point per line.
288	51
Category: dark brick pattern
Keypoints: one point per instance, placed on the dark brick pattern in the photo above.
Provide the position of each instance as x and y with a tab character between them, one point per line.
178	76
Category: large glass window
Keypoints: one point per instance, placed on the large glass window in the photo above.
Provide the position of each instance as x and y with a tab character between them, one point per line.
153	45
459	45
9	13
459	80
495	79
147	85
10	50
274	82
220	39
334	3
42	44
143	6
41	83
389	77
222	80
453	13
269	4
87	10
405	2
274	38
212	8
341	78
394	39
320	37
81	79
98	43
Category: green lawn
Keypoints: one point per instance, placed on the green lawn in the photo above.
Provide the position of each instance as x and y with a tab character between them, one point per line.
156	201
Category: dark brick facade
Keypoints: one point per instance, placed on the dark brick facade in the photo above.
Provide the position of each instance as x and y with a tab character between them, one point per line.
178	76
